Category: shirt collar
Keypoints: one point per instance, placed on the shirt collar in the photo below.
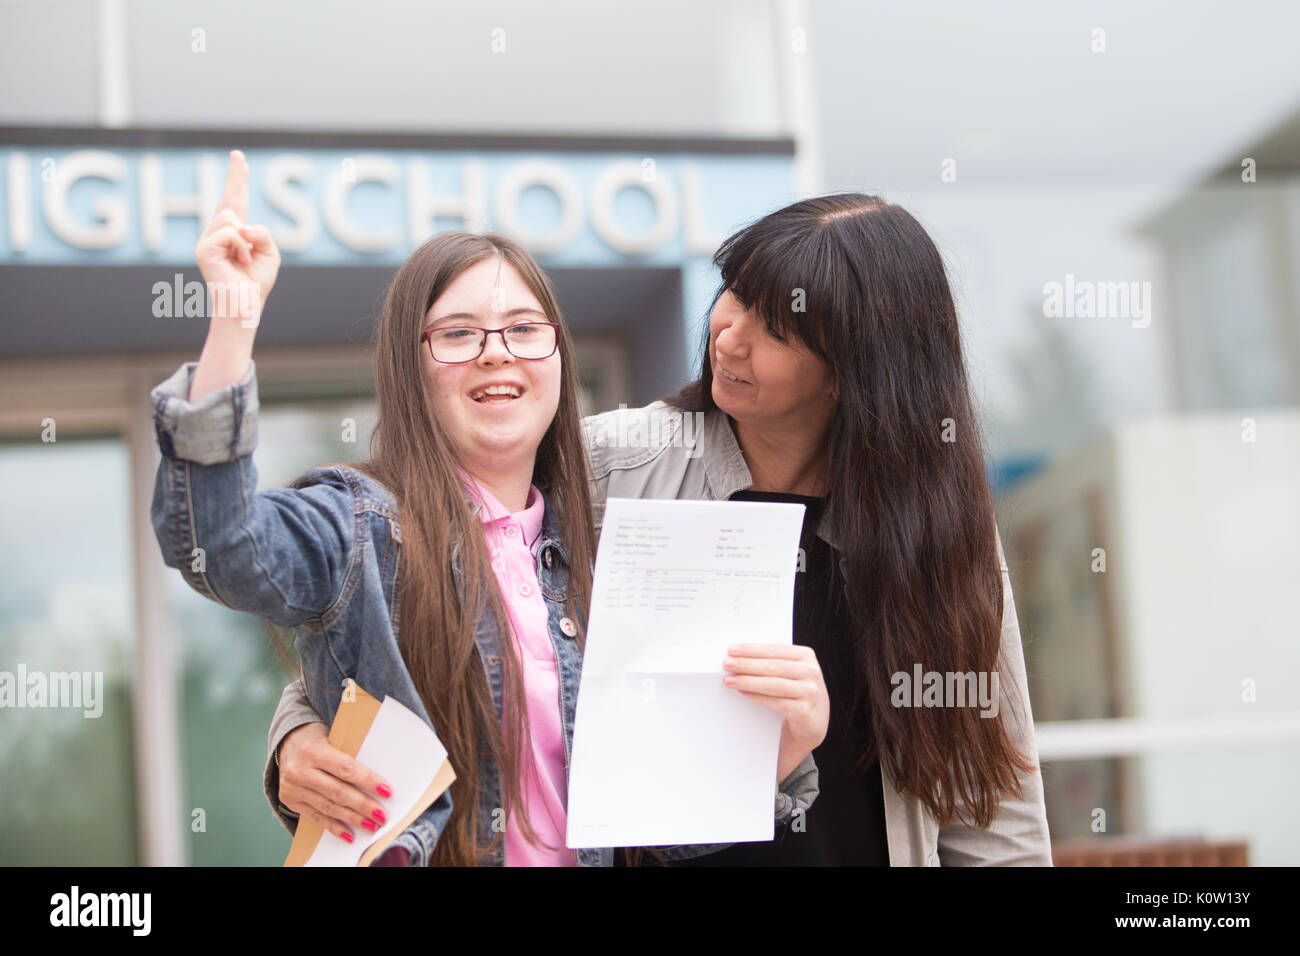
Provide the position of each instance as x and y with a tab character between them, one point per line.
492	510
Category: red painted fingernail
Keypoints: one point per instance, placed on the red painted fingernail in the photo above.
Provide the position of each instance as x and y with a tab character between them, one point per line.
346	835
384	791
369	825
379	815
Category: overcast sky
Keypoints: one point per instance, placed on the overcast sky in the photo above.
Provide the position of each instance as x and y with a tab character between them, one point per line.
1059	151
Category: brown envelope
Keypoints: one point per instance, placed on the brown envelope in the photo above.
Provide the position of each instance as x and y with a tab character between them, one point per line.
351	724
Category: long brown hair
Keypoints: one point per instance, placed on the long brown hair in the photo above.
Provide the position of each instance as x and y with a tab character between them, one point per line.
412	456
907	492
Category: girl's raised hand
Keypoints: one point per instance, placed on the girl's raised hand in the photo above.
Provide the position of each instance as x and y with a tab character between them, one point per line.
239	259
787	678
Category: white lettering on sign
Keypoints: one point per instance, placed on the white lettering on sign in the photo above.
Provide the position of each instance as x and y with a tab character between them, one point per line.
157	207
363	169
111	213
628	175
550	176
20	213
301	220
425	207
282	174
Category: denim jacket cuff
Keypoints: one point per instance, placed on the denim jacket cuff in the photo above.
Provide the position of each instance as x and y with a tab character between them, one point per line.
220	427
412	840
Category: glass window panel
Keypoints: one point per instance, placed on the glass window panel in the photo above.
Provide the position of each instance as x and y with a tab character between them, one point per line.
68	781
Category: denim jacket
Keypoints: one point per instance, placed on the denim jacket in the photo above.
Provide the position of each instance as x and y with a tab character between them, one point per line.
322	557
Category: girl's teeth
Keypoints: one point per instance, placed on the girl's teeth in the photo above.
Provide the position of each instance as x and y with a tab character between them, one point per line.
495	395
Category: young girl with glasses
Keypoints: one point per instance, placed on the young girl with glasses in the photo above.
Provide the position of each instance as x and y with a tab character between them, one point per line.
452	569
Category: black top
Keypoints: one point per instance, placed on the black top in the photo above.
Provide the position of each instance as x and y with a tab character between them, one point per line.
846	824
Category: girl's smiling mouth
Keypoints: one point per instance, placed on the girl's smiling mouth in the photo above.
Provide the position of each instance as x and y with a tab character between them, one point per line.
498	393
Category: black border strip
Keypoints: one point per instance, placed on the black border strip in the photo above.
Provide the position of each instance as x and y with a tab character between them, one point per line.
161	137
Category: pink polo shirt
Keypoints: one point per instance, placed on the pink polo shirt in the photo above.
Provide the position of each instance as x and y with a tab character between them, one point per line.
511	543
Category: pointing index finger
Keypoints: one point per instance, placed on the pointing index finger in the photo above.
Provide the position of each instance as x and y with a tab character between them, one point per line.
235	195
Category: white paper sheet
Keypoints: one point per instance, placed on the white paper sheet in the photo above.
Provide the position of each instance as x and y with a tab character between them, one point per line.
403	749
663	751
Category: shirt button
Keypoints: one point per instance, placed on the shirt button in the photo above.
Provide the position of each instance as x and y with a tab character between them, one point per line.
525	588
510	531
568	627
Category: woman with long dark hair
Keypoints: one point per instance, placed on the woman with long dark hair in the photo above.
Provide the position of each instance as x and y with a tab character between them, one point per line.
834	352
832	374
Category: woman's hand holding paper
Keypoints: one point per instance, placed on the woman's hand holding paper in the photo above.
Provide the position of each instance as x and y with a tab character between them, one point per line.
787	678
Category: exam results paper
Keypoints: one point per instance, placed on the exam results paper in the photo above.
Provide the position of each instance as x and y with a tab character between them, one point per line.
663	751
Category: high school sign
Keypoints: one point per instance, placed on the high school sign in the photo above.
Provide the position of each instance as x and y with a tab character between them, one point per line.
107	205
97	224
